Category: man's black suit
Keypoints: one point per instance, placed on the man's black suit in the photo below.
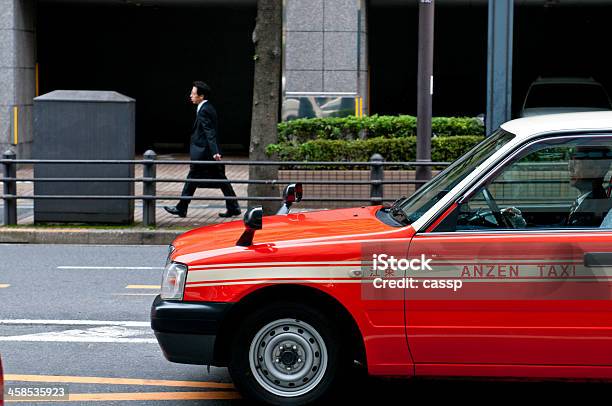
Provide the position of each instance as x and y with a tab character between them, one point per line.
204	147
590	208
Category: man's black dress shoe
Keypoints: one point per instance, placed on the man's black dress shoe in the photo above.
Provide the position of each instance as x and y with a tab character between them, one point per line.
175	211
230	214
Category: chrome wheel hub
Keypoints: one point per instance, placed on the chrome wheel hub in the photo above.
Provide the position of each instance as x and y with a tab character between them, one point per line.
288	357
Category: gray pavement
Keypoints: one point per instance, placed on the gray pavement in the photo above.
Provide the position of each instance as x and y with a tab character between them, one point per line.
79	315
200	212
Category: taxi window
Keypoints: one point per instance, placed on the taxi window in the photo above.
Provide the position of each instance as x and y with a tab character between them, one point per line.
432	192
554	184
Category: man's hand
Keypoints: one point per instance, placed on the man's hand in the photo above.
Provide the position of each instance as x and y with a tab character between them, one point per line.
514	216
217	157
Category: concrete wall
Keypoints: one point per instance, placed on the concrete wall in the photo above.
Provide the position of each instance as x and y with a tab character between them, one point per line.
17	74
325	47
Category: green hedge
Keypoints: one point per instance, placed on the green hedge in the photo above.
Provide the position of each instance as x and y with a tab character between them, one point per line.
392	149
352	128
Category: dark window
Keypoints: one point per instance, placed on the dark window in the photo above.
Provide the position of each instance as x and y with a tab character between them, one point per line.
567	95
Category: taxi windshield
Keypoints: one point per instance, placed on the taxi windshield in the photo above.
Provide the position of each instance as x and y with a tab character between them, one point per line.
429	194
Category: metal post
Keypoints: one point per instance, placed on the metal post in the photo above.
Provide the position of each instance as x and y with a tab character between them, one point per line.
10	189
425	87
499	64
149	189
376	174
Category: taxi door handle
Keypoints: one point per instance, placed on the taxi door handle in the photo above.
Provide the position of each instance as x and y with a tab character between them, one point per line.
355	273
597	259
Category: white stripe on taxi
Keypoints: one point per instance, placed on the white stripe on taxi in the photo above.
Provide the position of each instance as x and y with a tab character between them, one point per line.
354	272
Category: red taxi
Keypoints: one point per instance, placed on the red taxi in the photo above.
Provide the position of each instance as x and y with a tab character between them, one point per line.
513	244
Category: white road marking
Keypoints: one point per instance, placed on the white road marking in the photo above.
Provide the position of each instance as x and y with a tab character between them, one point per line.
107	334
76	322
4	285
113	267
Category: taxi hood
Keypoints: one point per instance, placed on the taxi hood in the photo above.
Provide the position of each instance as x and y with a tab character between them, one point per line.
309	227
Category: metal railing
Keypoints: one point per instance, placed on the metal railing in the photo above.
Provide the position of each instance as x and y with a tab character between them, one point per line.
149	181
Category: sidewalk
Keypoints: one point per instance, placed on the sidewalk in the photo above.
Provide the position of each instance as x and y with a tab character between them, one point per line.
168	227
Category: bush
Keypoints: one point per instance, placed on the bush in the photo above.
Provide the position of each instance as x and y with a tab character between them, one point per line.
392	149
353	128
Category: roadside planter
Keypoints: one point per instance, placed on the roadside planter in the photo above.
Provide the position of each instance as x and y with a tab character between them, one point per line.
498	267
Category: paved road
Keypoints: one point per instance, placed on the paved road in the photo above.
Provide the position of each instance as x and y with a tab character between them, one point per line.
79	316
82	313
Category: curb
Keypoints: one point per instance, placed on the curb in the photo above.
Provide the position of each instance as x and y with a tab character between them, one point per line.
87	236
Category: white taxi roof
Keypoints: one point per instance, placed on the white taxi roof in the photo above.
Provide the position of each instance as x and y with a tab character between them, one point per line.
553	123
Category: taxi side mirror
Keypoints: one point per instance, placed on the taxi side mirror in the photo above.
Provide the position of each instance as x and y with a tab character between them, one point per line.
252	221
291	194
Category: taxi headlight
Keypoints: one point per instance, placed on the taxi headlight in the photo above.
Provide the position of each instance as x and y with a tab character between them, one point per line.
173	281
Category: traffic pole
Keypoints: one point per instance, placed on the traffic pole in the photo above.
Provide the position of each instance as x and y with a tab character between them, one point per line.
425	88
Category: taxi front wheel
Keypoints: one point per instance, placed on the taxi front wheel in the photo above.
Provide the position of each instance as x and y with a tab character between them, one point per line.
285	354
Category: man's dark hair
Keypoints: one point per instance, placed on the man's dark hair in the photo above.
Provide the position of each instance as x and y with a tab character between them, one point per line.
202	88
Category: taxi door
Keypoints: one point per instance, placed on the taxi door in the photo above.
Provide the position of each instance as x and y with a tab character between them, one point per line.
535	289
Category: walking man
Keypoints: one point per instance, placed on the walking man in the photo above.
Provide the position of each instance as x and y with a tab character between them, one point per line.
204	147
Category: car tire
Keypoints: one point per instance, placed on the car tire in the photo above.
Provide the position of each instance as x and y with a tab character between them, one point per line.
285	354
